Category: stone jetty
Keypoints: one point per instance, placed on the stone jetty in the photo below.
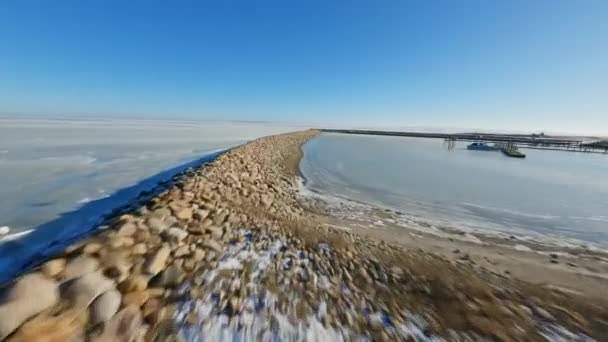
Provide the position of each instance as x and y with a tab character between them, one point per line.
229	252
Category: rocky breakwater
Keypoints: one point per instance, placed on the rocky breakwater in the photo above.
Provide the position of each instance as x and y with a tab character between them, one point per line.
228	253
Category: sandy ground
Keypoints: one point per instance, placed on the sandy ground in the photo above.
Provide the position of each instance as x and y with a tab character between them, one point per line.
574	270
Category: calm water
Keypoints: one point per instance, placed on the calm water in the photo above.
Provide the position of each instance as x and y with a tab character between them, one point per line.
48	167
549	193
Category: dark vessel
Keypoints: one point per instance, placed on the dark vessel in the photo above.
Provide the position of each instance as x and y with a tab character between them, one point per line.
479	146
512	151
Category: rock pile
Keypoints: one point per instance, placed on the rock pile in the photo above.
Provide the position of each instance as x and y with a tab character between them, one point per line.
229	253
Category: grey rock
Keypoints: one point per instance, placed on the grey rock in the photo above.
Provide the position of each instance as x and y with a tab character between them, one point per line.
127	229
121	241
156	224
184	213
219	218
92	247
171	277
117	267
80	266
175	235
170	221
139	249
207	223
161	213
216	232
198	255
82	291
543	314
135	283
181	251
125	326
201	214
158	260
53	267
105	306
213	245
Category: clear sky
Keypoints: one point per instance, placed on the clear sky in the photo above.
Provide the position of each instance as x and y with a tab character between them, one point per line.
529	65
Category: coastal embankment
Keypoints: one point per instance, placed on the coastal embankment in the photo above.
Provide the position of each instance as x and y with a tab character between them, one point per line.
233	251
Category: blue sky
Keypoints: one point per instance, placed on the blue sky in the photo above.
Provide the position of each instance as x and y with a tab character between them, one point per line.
525	65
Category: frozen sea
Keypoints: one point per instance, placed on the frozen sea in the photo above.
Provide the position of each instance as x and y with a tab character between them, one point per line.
49	167
549	195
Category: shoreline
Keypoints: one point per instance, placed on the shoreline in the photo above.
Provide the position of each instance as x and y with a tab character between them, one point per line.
429	227
162	178
571	268
19	251
229	250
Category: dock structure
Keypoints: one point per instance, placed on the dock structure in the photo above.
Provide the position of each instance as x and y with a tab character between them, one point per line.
536	141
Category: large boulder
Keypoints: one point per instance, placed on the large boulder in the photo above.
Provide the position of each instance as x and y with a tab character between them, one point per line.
184	213
136	298
213	245
82	291
80	266
172	276
92	247
117	267
156	224
215	231
161	213
139	249
174	235
181	251
135	282
105	306
27	297
201	214
125	326
127	229
157	261
53	267
67	326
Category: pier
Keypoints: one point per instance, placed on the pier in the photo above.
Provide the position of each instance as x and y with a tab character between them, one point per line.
535	141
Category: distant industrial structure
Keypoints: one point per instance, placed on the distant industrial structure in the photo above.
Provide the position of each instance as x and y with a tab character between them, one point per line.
536	141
